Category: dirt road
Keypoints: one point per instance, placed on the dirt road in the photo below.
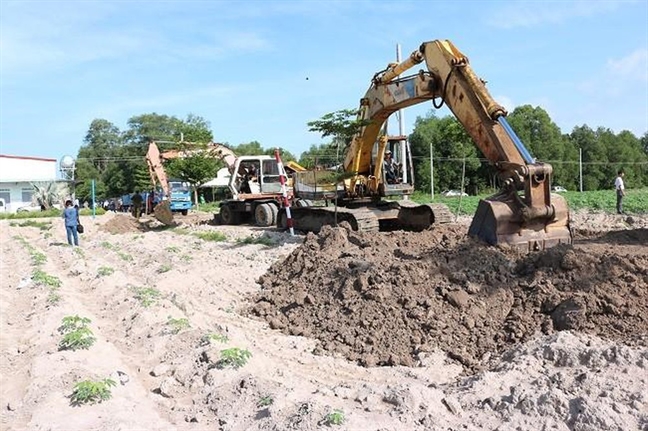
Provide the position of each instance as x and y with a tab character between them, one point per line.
395	331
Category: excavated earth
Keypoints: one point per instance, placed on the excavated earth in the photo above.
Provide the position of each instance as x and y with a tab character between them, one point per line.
388	298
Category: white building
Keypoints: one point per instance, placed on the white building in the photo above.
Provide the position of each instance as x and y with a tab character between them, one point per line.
17	176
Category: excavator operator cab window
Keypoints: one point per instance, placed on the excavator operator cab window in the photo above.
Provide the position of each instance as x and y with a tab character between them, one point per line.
270	179
248	181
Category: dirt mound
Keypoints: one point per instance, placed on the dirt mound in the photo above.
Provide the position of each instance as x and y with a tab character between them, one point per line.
386	299
123	223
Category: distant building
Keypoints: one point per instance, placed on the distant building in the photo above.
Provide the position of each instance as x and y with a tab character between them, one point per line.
17	176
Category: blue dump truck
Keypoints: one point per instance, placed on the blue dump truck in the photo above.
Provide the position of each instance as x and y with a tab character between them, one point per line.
180	196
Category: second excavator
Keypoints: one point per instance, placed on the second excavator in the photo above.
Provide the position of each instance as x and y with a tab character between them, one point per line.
523	214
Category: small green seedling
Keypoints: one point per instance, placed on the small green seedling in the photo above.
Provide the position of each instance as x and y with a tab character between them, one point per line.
336	417
172	249
54	297
41	278
76	334
212	337
91	392
164	268
178	325
234	357
38	258
125	256
105	271
106	244
212	236
147	296
186	258
265	401
79	251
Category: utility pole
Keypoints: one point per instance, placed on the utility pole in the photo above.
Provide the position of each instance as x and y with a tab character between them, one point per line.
432	170
580	167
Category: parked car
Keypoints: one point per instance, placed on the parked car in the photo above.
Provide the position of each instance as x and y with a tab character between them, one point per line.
558	189
453	193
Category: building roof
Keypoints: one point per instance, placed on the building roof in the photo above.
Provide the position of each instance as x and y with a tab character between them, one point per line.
42	159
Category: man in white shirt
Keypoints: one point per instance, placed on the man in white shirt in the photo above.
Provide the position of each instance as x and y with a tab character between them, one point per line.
620	191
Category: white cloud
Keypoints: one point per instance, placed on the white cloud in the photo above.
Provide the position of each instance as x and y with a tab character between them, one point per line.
535	13
633	66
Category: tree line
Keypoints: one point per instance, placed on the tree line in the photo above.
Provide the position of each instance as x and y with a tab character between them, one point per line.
115	159
455	155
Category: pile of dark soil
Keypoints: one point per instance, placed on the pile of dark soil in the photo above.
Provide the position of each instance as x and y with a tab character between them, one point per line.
382	299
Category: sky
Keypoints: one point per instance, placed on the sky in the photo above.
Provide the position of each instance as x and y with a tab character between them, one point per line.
261	70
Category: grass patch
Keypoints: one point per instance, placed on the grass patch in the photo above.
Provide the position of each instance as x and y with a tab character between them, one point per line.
172	249
91	392
147	296
211	236
186	258
635	201
33	223
31	214
263	240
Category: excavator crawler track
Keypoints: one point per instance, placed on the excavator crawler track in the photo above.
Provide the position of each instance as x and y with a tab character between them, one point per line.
311	219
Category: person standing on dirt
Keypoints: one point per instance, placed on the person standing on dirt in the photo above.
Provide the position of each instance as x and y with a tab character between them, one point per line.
137	204
71	217
620	191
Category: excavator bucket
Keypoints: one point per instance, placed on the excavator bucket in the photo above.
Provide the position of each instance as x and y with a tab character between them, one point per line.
499	222
163	214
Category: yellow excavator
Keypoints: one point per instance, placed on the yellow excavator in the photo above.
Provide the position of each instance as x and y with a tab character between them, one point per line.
523	214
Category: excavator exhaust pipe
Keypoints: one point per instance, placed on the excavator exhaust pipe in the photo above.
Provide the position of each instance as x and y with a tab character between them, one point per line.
163	214
498	222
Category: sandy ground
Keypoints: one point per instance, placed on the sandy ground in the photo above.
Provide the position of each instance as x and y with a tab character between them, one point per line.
164	304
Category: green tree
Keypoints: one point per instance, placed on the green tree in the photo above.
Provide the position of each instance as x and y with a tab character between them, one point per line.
546	142
195	169
451	146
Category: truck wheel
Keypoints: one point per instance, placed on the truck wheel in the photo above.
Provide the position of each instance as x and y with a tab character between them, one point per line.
228	215
275	211
304	203
263	215
185	212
